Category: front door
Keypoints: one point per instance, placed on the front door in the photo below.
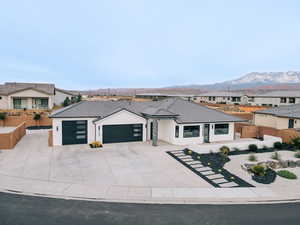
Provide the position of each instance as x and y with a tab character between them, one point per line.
291	123
206	133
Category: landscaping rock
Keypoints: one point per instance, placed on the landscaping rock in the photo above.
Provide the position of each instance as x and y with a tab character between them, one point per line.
298	162
292	164
284	163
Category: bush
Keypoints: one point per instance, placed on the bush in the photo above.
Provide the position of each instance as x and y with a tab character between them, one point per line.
2	116
296	142
287	174
37	116
224	150
96	144
252	158
253	148
258	170
297	154
67	101
277	145
275	156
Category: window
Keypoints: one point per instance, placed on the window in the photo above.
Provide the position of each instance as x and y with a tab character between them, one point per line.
40	103
209	98
191	131
236	99
282	100
221	128
292	100
19	103
214	98
176	131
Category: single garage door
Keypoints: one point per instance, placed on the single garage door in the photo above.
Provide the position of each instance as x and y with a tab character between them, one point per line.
122	133
74	132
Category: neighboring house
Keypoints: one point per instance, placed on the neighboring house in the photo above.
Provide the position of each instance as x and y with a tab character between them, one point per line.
223	97
282	117
275	98
31	95
271	98
161	96
172	120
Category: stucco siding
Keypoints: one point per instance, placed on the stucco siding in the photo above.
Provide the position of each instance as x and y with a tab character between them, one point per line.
265	120
3	102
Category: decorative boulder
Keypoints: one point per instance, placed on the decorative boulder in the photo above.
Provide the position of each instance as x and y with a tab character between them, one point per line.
284	163
292	164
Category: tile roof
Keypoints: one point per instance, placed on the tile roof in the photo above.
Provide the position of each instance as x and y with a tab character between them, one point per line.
291	111
184	111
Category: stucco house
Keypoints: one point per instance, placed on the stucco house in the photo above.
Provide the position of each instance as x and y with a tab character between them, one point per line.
31	95
282	117
172	120
223	97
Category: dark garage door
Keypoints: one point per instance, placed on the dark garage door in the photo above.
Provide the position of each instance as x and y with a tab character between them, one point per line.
122	133
74	132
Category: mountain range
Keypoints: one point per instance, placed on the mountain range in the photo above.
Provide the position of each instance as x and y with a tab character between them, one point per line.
254	80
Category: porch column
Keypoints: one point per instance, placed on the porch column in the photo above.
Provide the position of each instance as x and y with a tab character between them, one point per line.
154	132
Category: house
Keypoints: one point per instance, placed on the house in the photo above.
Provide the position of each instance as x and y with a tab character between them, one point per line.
224	97
282	117
160	96
172	120
275	98
31	95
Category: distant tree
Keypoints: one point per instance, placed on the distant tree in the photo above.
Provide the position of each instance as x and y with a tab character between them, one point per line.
67	101
79	97
2	117
73	99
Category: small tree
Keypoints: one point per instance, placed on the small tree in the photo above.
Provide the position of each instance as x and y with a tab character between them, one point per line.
2	117
73	99
67	101
79	97
37	117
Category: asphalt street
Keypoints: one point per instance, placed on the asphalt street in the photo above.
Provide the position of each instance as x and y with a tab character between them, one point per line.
27	210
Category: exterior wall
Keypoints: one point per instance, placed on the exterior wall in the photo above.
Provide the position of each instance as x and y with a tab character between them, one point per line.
273	121
274	101
122	117
3	102
166	132
29	94
222	99
59	97
57	129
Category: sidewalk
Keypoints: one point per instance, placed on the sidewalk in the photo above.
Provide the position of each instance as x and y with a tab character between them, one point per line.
129	194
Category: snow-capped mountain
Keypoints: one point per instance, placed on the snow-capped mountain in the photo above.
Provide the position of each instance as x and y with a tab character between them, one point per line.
253	80
267	78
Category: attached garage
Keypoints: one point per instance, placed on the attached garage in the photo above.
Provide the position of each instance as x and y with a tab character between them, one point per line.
122	133
74	132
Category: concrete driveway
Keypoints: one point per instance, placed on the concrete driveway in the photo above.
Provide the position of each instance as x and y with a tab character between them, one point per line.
126	164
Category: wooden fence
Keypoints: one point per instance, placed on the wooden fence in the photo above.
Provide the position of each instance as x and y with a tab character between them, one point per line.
16	117
251	131
50	138
9	140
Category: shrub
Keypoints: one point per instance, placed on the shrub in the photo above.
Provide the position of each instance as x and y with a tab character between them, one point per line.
2	116
297	154
287	174
296	142
78	98
96	144
258	170
224	150
252	158
37	116
67	101
275	156
253	148
277	145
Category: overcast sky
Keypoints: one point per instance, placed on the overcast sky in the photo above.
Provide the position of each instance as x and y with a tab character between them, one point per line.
138	43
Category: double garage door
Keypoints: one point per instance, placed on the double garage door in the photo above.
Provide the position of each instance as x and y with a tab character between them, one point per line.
75	132
122	133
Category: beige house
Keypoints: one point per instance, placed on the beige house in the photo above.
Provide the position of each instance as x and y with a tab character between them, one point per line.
31	95
282	117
